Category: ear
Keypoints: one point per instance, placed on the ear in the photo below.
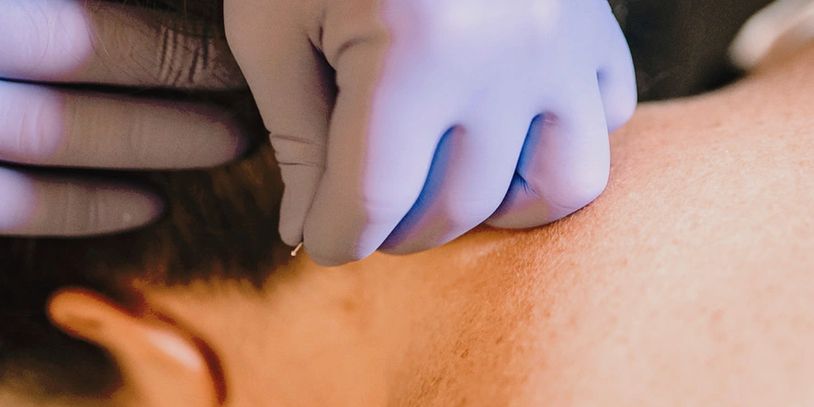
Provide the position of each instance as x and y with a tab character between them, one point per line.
161	365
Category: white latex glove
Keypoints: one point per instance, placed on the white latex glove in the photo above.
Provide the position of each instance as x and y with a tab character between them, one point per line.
425	131
47	44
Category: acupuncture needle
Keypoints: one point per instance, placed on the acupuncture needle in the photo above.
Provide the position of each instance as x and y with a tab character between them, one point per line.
296	250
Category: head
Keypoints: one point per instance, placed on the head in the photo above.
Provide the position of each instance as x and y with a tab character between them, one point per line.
221	225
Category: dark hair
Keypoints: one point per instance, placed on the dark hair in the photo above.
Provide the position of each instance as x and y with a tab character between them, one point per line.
208	10
220	224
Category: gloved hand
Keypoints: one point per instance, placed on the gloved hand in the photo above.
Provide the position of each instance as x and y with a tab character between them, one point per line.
50	43
441	115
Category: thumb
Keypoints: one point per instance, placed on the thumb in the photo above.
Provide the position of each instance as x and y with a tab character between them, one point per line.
291	85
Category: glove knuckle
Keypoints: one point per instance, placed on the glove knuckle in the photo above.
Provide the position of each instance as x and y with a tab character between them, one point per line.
467	213
379	211
433	22
449	22
576	190
384	206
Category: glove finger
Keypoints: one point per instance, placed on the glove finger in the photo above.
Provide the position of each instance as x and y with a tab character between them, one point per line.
291	85
43	205
296	108
384	133
617	79
76	41
42	126
565	162
470	175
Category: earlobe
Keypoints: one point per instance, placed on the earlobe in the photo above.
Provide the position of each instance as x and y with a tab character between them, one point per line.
161	365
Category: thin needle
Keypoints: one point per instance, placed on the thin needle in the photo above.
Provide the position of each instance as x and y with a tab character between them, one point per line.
296	250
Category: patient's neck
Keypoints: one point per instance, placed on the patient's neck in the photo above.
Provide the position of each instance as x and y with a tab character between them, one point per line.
420	330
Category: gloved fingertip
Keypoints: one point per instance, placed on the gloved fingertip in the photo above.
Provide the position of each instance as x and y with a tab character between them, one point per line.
338	254
139	208
290	230
326	262
117	209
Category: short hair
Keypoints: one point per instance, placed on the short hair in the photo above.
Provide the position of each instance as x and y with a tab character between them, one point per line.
220	224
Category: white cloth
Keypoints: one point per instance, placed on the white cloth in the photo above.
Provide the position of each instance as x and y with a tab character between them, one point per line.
783	26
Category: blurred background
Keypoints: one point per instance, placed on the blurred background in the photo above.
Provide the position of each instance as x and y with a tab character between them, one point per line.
681	46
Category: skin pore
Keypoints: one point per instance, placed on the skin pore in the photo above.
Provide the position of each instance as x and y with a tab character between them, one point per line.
688	283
